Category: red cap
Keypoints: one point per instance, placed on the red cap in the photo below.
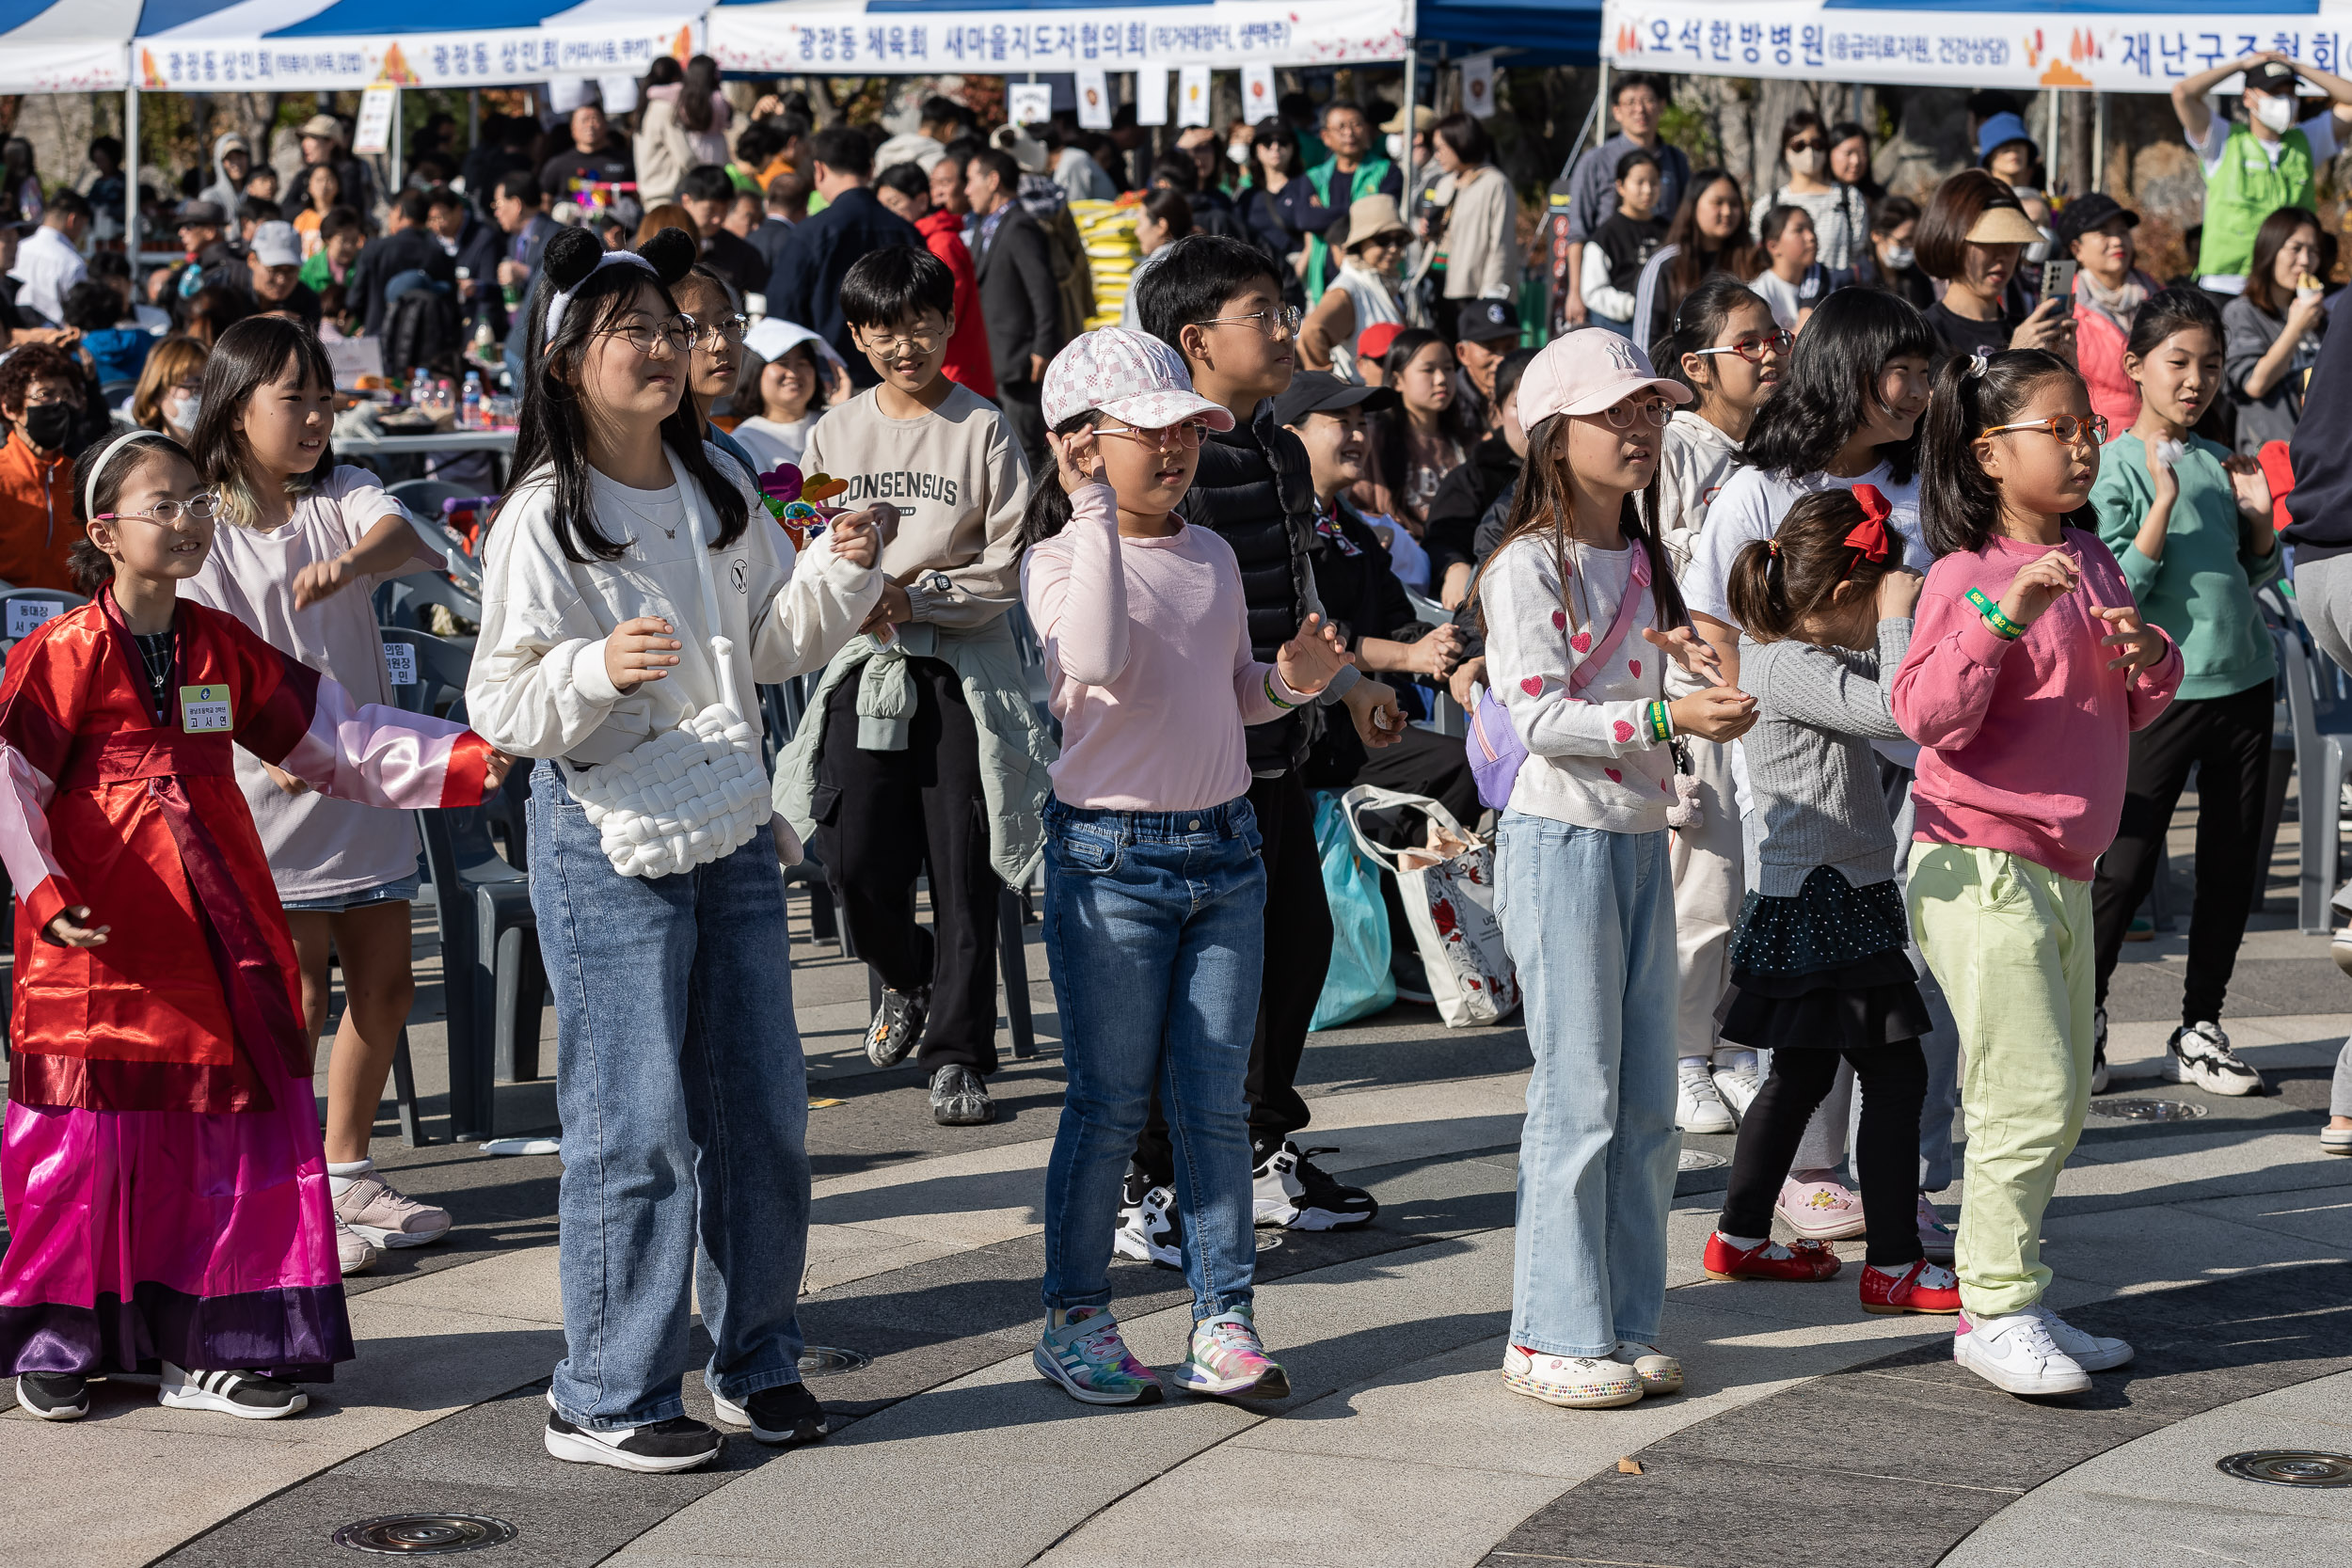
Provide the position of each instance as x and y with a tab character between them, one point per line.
1372	342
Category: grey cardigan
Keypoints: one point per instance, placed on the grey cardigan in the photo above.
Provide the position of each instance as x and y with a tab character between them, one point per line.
2247	333
1810	767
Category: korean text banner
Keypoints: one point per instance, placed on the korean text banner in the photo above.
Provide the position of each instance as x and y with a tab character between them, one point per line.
295	63
2108	51
796	36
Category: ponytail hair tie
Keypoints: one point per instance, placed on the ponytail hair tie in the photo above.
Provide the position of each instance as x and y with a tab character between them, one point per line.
1978	362
1868	537
1772	546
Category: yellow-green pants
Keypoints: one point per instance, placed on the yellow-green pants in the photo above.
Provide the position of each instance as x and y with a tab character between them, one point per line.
2011	944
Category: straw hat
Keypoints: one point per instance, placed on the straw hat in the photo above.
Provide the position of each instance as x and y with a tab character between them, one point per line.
1368	217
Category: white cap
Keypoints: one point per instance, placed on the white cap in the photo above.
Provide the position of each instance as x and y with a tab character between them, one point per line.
773	338
1132	377
275	245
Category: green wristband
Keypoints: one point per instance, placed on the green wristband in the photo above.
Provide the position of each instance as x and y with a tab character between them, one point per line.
2002	626
1270	694
1660	721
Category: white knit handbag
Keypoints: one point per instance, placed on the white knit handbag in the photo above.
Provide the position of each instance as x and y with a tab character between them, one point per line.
686	796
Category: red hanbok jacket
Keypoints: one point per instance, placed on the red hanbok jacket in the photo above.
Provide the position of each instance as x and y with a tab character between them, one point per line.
101	805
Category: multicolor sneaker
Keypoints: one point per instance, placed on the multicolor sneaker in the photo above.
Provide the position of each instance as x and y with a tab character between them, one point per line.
1572	1382
1085	1355
382	1214
1819	1210
1226	1359
1659	1373
1722	1261
1920	1287
1935	1237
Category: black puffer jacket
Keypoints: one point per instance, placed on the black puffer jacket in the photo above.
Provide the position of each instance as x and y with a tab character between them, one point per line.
1254	490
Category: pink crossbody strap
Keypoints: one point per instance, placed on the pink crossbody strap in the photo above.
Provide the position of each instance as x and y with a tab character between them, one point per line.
1627	608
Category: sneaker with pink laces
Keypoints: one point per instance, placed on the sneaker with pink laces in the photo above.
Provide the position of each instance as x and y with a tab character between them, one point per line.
1228	1360
1825	1210
383	1214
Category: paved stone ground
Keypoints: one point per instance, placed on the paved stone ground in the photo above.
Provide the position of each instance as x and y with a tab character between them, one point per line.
1810	1432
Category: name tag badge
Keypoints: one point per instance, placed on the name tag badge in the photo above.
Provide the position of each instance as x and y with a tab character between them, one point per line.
28	616
400	663
205	710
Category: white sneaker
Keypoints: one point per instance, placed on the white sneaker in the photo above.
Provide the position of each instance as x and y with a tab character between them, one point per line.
2017	1355
2335	1140
1738	1085
1697	1107
1573	1381
356	1254
2199	1054
1147	1224
1659	1373
2091	1352
2099	1050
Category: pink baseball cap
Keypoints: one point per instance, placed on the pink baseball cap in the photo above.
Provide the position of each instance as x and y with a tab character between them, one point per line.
1132	377
1586	372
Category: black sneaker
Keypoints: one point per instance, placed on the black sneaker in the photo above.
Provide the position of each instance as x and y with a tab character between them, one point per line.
680	1443
2099	1050
247	1395
1147	1223
958	1099
1293	1193
52	1396
784	1416
897	1025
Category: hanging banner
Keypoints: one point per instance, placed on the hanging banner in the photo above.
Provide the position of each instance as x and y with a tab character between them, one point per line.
1094	100
1478	86
373	131
2088	52
169	62
1029	102
1257	93
803	35
1151	95
1192	95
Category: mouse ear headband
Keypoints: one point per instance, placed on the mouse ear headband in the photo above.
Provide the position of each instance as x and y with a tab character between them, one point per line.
574	255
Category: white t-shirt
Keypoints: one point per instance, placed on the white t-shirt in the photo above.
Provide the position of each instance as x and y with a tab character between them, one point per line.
318	846
2319	132
1841	220
1693	461
775	441
1787	299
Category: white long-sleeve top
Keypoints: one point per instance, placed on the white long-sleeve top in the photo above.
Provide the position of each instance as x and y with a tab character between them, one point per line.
1590	758
538	687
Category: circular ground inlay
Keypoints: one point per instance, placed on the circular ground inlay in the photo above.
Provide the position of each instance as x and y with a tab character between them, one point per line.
2289	1467
424	1534
1269	1241
1699	1159
2131	1108
826	1360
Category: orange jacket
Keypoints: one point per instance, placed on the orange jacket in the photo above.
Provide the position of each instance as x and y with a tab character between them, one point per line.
36	525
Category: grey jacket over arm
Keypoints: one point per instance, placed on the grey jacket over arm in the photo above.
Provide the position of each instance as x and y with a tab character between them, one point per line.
1815	778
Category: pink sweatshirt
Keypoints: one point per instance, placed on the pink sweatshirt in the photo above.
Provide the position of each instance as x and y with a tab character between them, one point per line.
1147	655
2025	742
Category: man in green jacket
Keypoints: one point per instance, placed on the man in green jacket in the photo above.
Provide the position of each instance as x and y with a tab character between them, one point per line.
2254	168
1313	203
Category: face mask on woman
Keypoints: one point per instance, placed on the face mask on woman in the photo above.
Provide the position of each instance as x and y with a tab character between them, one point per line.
2276	110
1396	146
1237	154
1809	163
1898	257
180	409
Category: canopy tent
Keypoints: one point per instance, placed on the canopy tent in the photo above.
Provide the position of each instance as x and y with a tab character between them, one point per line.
302	45
1535	32
2087	45
64	45
900	37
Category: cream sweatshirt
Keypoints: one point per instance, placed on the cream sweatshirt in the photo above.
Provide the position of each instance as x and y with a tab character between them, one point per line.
538	685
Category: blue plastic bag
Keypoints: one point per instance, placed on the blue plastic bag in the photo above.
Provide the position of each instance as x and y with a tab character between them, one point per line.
1358	983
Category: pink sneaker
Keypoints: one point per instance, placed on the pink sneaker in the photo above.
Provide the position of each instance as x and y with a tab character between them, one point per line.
1819	1210
1228	1359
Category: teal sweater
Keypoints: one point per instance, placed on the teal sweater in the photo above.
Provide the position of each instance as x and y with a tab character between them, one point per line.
2202	593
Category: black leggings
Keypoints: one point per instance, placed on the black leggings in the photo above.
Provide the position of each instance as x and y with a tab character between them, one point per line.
1893	1082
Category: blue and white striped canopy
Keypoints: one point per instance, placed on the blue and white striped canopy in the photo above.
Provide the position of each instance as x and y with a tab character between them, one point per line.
64	45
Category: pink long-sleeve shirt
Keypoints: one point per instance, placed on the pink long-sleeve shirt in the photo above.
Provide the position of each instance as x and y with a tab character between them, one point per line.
2025	742
1146	657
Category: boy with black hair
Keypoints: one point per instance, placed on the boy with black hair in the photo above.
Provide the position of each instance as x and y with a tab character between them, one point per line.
707	194
1219	302
920	746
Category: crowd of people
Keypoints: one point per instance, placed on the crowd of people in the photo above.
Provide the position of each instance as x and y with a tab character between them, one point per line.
1763	576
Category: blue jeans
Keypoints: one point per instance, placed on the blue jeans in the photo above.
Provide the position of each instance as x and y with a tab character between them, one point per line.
685	1102
1589	919
1154	934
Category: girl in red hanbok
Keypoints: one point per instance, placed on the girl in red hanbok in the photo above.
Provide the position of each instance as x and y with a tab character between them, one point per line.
165	1189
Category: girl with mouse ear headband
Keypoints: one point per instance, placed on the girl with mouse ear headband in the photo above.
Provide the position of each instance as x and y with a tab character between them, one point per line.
631	582
166	1085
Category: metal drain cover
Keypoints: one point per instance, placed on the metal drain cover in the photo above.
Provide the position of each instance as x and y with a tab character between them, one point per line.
1269	1241
2289	1467
424	1534
1699	1159
2133	1109
825	1360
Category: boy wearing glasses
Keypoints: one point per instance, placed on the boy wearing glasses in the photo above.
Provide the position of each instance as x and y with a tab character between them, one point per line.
921	747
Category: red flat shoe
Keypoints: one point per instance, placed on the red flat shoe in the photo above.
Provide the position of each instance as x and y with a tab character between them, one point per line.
1807	1261
1920	1286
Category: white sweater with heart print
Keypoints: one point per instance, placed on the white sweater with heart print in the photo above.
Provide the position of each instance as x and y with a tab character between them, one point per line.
1591	761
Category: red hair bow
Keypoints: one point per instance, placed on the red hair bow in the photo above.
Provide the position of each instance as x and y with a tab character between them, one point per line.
1869	535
